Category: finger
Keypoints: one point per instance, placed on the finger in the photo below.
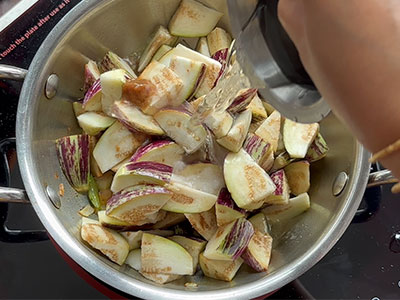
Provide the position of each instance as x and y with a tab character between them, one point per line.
291	15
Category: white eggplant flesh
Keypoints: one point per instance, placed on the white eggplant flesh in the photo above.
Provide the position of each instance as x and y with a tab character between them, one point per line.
134	238
318	149
234	140
115	224
137	173
92	99
220	123
282	213
160	37
212	72
137	204
93	123
268	107
193	19
282	191
120	164
247	182
112	61
204	223
230	241
219	269
112	83
242	100
164	152
92	74
116	144
160	278
193	246
298	137
260	223
178	126
258	149
77	108
202	47
164	49
218	39
104	181
298	176
258	252
163	256
226	209
157	87
129	114
281	161
204	177
190	71
134	260
107	241
188	200
169	220
270	129
257	109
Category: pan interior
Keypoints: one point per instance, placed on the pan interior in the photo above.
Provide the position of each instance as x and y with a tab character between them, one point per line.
124	27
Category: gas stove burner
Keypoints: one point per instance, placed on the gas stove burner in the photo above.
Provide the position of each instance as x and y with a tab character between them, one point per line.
394	245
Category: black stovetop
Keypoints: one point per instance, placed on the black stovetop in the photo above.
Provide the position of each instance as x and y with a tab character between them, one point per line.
362	265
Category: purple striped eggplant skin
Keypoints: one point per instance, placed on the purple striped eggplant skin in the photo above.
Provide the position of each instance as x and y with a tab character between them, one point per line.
318	149
258	253
242	100
92	74
218	40
258	149
92	99
282	191
219	269
137	173
230	241
137	204
112	61
221	56
164	151
74	157
281	161
226	209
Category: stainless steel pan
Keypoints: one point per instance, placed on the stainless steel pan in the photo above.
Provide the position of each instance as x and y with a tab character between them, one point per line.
45	113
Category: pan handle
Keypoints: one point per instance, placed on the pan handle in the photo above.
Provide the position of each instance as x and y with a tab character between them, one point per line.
14	195
13	73
379	178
